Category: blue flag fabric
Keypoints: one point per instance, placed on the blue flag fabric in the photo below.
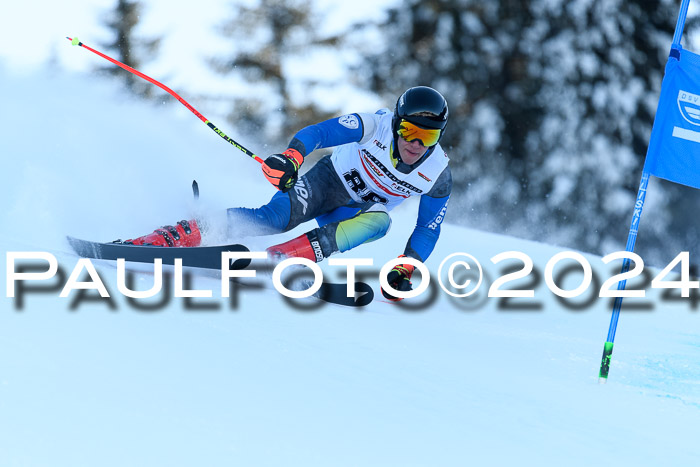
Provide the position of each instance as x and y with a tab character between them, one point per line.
674	148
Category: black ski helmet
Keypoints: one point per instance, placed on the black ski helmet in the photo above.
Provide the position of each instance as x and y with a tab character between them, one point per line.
422	106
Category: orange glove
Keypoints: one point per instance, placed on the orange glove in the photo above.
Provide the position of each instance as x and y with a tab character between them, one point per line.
282	170
400	279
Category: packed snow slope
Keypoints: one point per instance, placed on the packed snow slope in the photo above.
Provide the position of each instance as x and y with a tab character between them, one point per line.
261	380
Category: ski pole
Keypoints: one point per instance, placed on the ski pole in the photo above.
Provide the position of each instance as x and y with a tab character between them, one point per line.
75	41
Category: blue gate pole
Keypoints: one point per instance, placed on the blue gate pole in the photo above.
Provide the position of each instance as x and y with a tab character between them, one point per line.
634	226
617	305
680	24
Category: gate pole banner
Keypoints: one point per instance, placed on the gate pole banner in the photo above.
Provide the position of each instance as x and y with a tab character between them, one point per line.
674	148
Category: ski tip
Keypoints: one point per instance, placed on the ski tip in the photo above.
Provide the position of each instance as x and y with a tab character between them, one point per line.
602	380
73	40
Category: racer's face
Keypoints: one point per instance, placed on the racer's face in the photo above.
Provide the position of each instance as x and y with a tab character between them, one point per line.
410	152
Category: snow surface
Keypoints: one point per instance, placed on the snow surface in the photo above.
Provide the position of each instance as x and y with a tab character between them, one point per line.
260	381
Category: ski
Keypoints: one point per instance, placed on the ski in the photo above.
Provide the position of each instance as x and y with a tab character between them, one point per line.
208	257
337	293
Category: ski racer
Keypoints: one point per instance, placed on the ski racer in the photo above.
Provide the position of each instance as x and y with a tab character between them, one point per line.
379	161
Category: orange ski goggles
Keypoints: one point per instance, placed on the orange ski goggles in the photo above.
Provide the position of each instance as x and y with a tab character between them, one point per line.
410	131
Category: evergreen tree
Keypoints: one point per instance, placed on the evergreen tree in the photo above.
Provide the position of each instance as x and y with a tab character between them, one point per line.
264	37
600	107
130	50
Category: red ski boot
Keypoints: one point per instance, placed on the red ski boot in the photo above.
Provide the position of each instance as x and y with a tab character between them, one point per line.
304	246
184	233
